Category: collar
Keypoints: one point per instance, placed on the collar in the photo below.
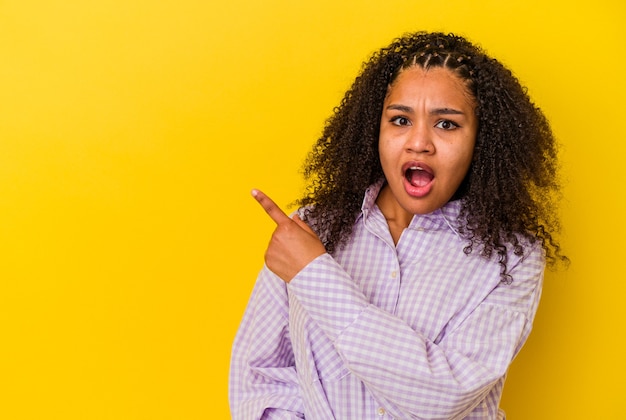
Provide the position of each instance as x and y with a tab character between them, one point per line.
445	217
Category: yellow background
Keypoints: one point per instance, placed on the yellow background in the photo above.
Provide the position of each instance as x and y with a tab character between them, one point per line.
132	131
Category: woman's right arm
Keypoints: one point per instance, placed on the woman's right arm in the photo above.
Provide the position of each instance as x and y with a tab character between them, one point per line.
263	382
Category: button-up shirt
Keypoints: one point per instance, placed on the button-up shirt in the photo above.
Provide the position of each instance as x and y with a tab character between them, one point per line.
417	330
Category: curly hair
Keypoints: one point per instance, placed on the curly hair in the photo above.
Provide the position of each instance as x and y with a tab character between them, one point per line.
509	193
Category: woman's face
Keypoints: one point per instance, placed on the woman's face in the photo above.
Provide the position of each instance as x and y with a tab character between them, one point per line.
427	137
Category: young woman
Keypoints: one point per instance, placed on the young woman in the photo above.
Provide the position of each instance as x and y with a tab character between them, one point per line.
409	279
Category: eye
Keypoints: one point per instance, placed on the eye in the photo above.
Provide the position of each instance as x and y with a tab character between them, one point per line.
446	125
399	120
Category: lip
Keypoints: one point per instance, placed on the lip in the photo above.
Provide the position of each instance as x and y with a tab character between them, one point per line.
412	190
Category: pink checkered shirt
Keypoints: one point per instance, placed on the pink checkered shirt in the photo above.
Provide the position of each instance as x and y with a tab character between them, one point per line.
414	331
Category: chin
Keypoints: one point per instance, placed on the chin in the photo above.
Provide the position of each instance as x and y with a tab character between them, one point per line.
423	208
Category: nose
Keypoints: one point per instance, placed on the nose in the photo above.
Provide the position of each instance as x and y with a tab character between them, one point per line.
419	139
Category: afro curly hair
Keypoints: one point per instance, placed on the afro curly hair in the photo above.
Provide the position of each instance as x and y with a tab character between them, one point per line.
509	194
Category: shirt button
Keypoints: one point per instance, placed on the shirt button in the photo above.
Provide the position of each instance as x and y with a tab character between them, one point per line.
381	411
394	274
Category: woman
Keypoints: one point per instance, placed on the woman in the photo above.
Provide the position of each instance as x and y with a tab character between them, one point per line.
410	277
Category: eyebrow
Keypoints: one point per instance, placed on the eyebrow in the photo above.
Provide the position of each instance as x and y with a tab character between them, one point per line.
436	111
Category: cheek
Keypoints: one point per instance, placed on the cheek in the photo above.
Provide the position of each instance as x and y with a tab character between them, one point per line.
465	168
385	150
460	163
390	160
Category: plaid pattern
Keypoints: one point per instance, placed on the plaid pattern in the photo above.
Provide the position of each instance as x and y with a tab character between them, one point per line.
414	331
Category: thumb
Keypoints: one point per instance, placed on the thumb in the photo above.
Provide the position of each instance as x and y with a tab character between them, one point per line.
303	225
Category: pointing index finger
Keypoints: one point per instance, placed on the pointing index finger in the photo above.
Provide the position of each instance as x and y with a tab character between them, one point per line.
270	207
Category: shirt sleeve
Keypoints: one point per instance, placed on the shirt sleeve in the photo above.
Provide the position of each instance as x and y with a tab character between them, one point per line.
410	375
263	382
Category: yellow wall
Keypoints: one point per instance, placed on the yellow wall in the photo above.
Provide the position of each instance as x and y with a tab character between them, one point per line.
132	131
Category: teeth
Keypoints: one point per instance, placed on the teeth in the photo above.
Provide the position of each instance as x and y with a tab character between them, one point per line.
416	168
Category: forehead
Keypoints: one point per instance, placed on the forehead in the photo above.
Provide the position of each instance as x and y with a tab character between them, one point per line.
437	82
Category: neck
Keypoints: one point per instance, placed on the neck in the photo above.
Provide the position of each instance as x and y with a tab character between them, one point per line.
397	218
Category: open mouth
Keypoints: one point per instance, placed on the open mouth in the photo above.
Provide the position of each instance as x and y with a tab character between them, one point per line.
419	175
